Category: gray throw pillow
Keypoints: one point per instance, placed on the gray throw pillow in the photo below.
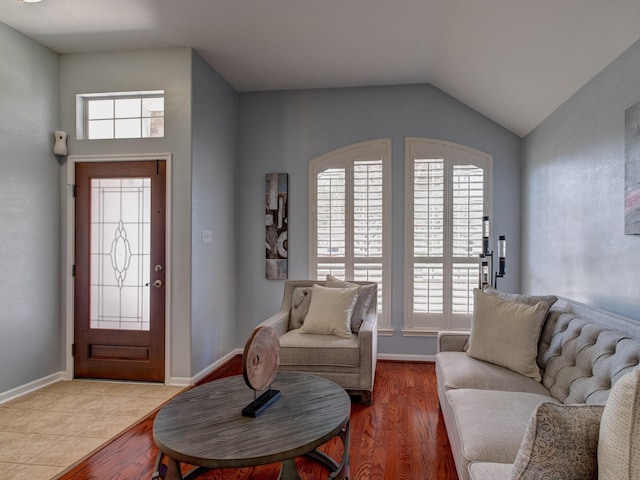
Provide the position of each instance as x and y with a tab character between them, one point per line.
520	298
300	301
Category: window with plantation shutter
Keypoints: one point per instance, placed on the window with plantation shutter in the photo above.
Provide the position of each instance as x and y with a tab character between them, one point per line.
447	191
350	219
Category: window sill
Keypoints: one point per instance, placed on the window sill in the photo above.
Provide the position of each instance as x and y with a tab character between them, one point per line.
386	332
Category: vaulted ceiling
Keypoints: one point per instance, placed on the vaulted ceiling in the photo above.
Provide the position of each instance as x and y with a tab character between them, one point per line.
514	61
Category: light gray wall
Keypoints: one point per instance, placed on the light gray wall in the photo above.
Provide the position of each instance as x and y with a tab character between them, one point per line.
283	131
30	320
573	196
214	141
170	70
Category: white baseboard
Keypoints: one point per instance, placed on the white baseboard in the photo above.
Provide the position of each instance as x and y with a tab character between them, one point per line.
178	382
186	381
397	357
182	381
32	386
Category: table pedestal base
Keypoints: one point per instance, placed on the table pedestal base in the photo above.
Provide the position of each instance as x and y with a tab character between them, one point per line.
339	471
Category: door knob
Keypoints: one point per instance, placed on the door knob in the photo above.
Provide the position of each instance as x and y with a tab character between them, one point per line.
157	284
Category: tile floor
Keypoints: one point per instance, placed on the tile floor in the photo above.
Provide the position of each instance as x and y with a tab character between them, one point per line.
44	433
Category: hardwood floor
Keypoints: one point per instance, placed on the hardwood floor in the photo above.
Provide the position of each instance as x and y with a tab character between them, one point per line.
401	436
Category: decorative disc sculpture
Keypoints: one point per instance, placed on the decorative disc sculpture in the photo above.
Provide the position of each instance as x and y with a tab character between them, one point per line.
260	362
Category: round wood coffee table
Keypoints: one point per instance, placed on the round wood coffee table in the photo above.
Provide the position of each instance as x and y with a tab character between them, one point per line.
204	427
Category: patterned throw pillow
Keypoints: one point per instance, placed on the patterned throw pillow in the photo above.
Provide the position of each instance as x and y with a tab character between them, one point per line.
560	443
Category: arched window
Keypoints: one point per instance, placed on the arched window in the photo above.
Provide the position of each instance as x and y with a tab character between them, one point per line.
350	217
447	192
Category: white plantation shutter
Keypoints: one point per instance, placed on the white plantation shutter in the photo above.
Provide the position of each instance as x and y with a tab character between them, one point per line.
428	235
447	190
468	209
368	224
350	217
331	221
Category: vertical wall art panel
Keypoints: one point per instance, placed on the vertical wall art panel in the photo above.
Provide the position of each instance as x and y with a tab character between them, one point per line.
632	171
276	222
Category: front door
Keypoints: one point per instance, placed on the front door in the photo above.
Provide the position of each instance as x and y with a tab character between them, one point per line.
119	305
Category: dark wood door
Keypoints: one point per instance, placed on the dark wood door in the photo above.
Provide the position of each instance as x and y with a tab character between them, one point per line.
119	311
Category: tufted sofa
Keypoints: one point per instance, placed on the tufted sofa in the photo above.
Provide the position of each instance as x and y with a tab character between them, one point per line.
489	410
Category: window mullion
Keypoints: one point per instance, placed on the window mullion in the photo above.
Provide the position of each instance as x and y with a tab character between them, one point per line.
349	221
447	264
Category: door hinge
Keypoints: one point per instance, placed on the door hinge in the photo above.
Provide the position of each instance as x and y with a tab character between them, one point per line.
73	270
74	190
73	349
157	167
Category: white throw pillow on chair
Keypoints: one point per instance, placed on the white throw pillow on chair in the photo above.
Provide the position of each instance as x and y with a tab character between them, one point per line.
330	311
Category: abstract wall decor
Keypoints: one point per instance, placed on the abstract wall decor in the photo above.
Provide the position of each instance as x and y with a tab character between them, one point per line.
632	171
276	222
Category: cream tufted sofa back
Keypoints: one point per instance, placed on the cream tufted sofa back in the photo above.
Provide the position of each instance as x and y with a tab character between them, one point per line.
584	351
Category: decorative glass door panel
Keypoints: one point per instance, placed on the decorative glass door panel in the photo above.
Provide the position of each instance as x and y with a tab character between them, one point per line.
120	253
119	281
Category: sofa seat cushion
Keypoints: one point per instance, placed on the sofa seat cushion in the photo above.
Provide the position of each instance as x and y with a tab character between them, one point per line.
492	423
458	370
490	471
299	349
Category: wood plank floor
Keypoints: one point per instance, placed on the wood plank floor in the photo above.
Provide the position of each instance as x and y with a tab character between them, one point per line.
401	436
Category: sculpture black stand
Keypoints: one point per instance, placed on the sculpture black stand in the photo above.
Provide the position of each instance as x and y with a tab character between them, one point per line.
261	403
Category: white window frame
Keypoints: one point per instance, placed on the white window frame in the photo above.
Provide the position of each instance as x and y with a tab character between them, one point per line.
345	158
421	324
82	113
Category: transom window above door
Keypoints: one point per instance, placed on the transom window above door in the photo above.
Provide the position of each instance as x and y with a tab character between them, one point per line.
120	115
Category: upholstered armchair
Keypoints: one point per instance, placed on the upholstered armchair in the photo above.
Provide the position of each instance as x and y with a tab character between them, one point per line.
314	338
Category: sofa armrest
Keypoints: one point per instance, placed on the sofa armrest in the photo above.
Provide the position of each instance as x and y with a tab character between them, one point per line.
452	341
279	321
368	346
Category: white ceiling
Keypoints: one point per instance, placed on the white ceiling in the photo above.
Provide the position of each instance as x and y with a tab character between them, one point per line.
514	61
